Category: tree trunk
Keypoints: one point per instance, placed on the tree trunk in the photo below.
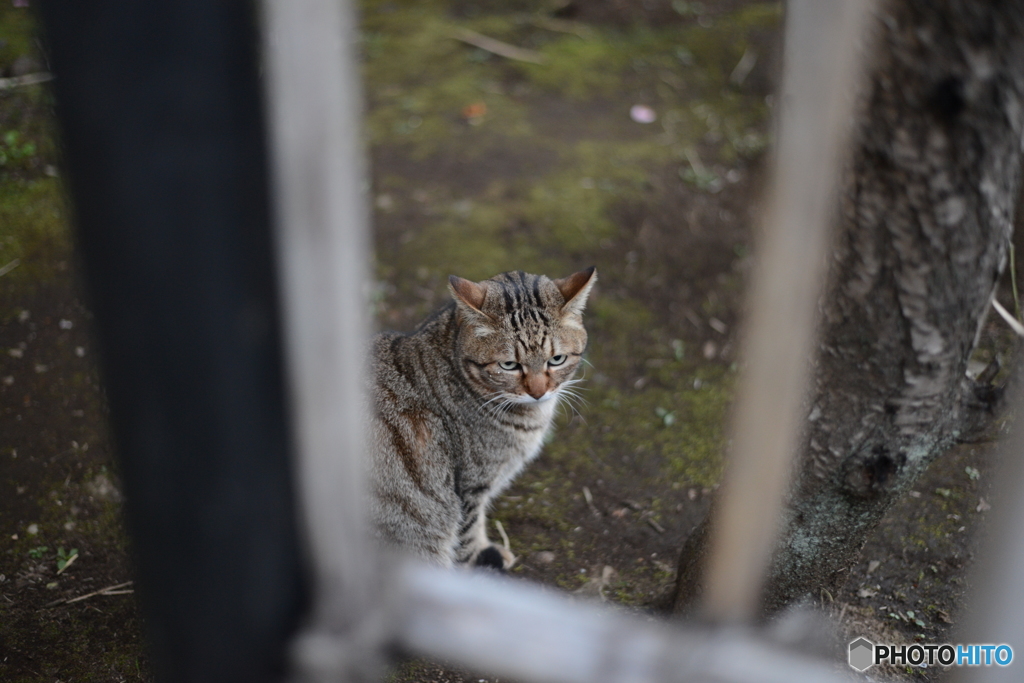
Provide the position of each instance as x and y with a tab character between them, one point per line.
925	220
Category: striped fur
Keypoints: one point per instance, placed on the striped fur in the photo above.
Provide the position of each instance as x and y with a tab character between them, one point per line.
451	426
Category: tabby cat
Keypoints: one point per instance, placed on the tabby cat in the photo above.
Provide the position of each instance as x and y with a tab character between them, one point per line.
464	402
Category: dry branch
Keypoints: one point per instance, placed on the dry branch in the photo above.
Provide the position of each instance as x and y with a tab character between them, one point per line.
109	590
497	47
27	79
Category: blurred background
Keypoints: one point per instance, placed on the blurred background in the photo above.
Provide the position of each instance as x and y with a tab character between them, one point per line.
522	135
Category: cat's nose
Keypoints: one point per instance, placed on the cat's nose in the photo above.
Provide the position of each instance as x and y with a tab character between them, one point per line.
536	385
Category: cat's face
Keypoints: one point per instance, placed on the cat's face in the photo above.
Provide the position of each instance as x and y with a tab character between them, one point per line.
521	336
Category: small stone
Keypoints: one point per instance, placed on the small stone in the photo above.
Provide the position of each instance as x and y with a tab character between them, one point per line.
983	505
873	565
80	351
641	113
65	324
15	353
32	529
101	487
545	557
710	350
692	494
8	380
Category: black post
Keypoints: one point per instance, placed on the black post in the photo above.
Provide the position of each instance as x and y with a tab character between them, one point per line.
162	120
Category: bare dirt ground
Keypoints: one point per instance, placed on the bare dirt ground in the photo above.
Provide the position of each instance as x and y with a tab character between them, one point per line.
482	164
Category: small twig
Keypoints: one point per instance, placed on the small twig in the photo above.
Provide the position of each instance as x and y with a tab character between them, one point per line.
743	67
10	266
1010	320
1013	279
654	525
590	501
68	563
497	47
504	536
508	546
27	79
695	162
109	590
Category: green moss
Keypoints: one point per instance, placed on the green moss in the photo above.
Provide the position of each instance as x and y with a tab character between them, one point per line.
635	433
421	81
33	231
17	29
540	181
668	59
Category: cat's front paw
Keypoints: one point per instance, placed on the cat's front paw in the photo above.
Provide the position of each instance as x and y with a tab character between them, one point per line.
495	557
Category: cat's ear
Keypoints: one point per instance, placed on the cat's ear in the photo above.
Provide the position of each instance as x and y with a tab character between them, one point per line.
576	288
468	293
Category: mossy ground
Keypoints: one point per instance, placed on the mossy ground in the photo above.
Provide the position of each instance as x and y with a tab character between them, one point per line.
480	164
483	164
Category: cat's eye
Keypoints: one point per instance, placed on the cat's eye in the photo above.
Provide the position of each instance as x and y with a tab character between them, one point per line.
508	365
557	360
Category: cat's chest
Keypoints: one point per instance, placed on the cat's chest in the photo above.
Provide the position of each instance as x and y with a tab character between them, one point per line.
517	438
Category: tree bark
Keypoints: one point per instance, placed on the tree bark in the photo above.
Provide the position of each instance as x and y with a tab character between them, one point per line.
925	220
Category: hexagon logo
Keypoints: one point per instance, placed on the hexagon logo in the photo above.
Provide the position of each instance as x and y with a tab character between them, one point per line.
862	654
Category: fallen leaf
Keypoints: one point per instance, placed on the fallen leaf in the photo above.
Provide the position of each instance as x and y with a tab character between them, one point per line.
474	111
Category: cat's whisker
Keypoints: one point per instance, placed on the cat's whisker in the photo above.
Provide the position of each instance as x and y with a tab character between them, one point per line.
567	397
503	407
498	410
570	412
577	397
497	395
573	383
573	393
